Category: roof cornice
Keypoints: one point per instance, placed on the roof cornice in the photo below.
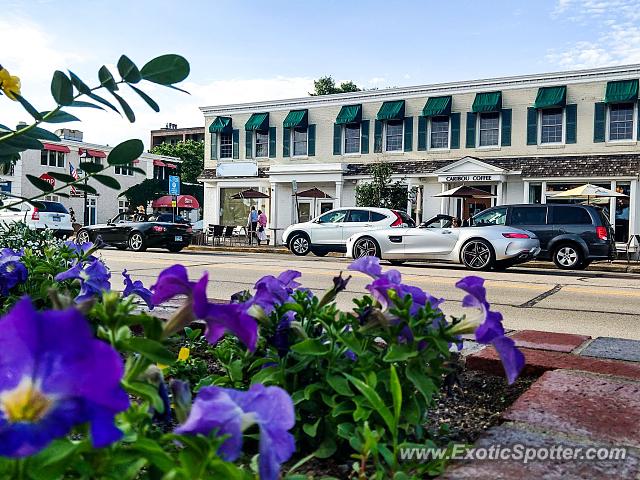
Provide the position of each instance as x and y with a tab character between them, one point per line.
439	89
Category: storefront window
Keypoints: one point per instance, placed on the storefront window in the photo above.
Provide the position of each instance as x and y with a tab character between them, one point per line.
235	211
621	223
535	193
554	188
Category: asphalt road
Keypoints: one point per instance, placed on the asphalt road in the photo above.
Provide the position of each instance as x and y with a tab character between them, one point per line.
588	303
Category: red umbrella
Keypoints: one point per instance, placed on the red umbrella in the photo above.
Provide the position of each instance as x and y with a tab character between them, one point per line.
184	201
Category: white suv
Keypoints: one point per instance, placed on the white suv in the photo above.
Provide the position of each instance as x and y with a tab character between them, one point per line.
44	214
329	232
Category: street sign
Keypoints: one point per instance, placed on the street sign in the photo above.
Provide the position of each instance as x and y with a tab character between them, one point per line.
174	185
49	179
174	203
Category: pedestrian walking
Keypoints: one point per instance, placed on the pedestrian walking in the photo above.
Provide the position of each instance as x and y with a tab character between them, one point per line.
262	227
73	215
252	223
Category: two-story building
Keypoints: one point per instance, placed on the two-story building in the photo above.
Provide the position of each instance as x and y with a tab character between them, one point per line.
65	157
522	139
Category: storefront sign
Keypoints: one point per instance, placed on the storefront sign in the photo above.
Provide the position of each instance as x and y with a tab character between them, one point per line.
237	169
469	178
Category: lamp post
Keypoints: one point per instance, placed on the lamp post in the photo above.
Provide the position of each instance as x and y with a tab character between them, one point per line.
85	213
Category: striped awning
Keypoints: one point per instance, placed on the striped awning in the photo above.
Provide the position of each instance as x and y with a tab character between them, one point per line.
257	121
296	118
437	106
221	125
349	114
487	102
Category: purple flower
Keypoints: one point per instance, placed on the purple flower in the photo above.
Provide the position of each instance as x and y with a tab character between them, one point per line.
80	249
12	270
230	412
272	291
171	282
368	265
280	339
54	375
136	288
350	354
93	276
489	329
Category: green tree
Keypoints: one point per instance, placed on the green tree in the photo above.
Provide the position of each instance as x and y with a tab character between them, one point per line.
191	153
145	191
327	86
381	191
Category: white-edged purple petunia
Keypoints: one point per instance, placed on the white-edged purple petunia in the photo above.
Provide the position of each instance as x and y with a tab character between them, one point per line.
54	375
136	288
12	270
230	412
93	275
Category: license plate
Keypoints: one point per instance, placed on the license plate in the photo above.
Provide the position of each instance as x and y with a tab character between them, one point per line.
178	238
56	219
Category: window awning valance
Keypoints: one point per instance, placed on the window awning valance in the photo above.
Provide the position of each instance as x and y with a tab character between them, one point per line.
56	148
92	153
391	110
622	91
349	114
437	106
296	118
549	97
487	102
159	163
221	125
257	121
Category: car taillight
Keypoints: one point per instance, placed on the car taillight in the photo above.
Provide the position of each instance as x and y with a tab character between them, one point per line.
398	221
158	228
35	215
515	235
602	233
189	229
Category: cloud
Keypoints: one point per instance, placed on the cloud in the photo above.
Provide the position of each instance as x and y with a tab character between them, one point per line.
377	81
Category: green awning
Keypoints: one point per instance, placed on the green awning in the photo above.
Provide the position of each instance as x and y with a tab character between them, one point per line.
221	125
391	110
296	118
549	97
487	102
349	114
437	106
622	91
258	121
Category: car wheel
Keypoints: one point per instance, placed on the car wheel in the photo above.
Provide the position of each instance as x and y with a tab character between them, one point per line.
568	257
477	254
175	248
300	244
366	247
136	242
320	253
82	237
396	263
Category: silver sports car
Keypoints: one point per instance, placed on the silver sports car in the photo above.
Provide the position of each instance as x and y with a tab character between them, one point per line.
477	248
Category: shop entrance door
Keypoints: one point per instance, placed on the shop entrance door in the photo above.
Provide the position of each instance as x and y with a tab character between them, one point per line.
305	210
473	206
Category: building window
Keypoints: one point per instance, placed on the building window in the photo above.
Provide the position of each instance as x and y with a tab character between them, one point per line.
551	125
52	198
159	173
393	135
262	144
226	145
52	159
439	137
352	138
299	141
621	121
123	206
123	170
489	129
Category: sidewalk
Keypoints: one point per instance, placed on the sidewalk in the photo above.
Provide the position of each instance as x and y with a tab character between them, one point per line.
619	266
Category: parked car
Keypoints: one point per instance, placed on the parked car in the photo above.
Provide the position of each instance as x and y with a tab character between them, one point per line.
170	218
137	232
40	215
477	248
329	232
570	235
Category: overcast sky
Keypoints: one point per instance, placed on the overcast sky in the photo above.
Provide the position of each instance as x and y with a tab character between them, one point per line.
255	50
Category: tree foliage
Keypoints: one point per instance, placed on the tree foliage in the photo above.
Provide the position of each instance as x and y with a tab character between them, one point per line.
191	153
145	191
381	191
327	86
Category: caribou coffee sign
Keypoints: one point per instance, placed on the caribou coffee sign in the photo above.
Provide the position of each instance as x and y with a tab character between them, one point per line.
469	178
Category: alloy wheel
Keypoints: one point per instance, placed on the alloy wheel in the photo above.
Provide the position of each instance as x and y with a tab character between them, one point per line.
476	255
300	245
83	237
567	256
135	242
365	247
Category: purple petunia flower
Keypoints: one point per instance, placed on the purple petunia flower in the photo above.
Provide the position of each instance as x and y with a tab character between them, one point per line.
173	281
54	375
489	329
12	270
93	276
80	249
272	291
280	339
231	412
136	288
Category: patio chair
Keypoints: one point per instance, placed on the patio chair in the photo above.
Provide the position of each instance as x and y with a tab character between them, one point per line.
228	234
218	232
240	235
208	234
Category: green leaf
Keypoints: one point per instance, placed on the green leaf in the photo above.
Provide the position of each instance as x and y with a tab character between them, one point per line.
166	69
63	177
79	84
176	88
61	88
24	142
60	117
154	351
106	79
374	399
104	102
310	346
267	376
309	389
400	353
311	429
39	183
125	152
42	134
150	101
423	384
326	449
108	181
138	170
81	104
396	393
125	107
128	70
154	453
28	107
85	188
90	167
147	392
52	462
340	385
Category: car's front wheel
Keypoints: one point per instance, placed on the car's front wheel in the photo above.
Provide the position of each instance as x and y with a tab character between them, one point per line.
366	247
300	244
568	257
136	242
477	254
82	237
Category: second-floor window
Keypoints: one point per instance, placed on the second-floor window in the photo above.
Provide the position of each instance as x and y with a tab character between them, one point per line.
123	206
489	129
621	121
49	158
352	138
299	140
393	136
262	144
551	125
226	145
439	136
123	170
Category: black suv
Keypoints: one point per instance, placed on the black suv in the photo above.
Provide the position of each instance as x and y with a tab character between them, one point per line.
570	235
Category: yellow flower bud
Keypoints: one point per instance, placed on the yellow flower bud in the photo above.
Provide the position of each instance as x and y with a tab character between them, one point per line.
184	354
9	84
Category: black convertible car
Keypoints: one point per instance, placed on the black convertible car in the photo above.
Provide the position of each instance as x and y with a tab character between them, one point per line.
138	232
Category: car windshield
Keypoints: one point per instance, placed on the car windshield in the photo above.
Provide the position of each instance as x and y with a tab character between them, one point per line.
126	217
335	216
53	207
496	216
441	221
